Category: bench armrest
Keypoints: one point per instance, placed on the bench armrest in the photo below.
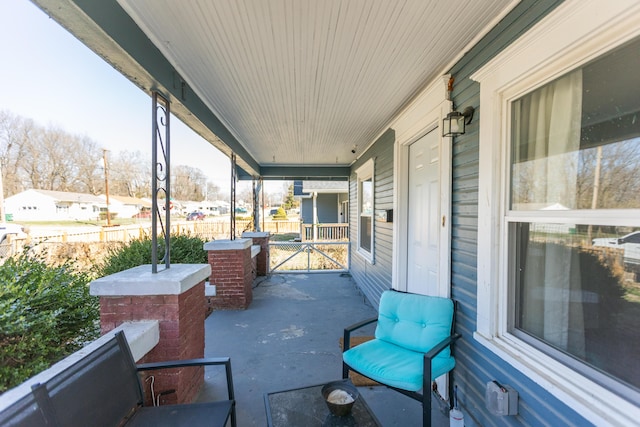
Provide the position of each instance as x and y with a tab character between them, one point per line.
226	361
347	332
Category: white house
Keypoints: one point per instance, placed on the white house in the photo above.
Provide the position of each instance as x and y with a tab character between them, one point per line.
125	206
46	205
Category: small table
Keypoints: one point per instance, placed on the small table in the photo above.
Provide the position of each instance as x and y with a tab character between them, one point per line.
306	407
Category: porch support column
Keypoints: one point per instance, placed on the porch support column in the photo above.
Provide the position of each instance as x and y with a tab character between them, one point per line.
160	180
315	217
174	297
257	211
232	273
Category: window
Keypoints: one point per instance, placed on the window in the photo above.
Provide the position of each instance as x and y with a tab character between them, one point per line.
575	145
365	209
558	269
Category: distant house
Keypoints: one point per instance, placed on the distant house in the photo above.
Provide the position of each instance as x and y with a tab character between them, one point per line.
210	208
126	207
46	205
328	199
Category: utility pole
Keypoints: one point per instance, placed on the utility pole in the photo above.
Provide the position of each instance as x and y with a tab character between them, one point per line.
106	184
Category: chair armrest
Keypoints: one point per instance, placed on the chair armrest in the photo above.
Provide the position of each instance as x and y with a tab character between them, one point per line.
346	344
226	361
441	346
428	357
183	363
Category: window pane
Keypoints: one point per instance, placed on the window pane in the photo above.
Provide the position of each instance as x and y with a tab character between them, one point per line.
577	290
576	141
365	233
366	208
366	213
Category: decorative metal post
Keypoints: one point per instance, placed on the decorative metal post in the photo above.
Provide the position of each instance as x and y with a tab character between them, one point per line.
257	211
160	179
233	196
106	184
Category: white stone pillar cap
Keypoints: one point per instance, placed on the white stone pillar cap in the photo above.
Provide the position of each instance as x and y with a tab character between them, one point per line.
138	281
228	245
256	234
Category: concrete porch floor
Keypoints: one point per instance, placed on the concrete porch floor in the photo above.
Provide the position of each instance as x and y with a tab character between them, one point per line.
289	338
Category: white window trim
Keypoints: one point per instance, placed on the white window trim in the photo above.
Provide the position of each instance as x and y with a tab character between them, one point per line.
364	172
573	34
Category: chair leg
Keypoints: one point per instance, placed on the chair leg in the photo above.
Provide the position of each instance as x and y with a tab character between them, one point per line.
345	371
426	392
426	408
234	422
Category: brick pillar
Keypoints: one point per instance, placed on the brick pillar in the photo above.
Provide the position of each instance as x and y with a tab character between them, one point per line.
231	273
174	297
260	238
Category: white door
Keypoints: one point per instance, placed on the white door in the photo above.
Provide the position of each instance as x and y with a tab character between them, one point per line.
423	215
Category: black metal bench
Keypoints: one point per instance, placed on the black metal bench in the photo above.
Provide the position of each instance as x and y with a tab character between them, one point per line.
105	389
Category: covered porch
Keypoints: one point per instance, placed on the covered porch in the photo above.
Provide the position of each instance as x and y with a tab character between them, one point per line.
364	93
289	338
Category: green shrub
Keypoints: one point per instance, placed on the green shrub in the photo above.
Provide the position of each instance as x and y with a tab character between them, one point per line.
280	214
184	250
46	313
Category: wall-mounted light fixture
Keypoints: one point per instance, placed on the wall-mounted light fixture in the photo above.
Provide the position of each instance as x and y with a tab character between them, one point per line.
455	122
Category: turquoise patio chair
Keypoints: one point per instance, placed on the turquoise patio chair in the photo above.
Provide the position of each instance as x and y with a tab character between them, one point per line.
411	346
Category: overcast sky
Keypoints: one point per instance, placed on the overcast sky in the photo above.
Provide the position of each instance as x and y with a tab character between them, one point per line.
49	76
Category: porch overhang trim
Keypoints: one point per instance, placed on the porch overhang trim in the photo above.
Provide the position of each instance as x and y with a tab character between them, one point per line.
297	173
106	29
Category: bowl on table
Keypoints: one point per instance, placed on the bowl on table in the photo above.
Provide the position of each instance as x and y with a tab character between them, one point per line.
340	397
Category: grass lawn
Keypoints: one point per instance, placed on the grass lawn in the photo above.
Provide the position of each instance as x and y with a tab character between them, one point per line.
115	221
284	237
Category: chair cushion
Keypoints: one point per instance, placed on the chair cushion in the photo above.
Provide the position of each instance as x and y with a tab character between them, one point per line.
392	365
415	322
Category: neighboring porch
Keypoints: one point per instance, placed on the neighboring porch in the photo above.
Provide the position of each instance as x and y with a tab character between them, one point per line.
289	338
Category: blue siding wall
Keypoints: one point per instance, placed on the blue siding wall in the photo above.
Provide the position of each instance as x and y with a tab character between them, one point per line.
327	205
374	278
475	365
327	208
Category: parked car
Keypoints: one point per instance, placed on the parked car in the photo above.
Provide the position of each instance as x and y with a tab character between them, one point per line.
143	214
196	216
240	210
630	244
15	230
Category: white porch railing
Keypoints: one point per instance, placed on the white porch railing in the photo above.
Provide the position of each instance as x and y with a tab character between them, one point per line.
326	232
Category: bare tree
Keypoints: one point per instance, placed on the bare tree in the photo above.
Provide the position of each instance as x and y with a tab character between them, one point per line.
87	163
618	181
130	174
15	132
49	158
188	183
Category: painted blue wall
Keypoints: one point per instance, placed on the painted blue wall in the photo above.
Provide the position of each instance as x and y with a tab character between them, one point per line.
475	364
374	278
327	205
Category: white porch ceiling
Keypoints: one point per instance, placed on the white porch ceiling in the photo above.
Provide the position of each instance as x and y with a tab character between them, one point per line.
299	83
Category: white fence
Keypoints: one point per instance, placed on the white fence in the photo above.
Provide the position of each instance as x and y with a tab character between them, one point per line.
294	257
